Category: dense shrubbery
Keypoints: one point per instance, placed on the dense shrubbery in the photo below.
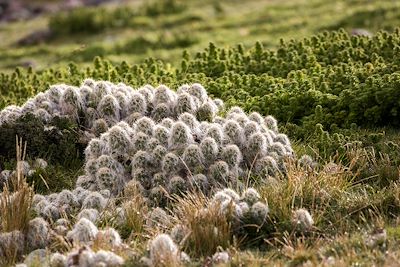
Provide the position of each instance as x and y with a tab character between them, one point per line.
45	139
92	20
156	8
383	18
331	78
226	175
166	40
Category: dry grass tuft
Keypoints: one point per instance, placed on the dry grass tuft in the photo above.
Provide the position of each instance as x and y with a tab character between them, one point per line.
316	191
16	199
249	258
135	210
15	208
208	228
371	167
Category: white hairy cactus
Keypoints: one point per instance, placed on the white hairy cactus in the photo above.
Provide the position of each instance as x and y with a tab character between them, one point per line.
164	250
94	200
250	196
12	241
259	212
84	231
302	220
57	260
90	214
109	237
180	136
38	233
158	132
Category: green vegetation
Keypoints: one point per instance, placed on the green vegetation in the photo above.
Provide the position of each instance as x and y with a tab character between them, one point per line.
331	78
78	33
94	20
334	94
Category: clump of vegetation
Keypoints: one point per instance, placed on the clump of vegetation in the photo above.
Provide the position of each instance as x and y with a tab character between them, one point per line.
154	176
89	20
46	139
331	78
163	144
205	225
164	7
92	20
15	212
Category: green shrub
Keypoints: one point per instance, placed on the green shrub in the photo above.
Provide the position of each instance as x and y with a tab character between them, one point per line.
330	78
163	7
58	141
90	20
166	40
382	18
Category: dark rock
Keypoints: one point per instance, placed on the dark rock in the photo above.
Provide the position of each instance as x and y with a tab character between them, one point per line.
27	64
361	32
35	38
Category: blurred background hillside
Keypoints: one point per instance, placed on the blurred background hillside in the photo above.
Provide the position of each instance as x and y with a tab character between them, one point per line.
43	34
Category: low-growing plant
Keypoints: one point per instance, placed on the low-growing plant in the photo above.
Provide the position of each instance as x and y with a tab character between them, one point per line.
135	212
90	20
16	198
207	228
163	7
15	211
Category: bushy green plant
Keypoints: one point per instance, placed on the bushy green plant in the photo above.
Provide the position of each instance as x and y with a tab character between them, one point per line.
90	20
329	78
163	7
45	139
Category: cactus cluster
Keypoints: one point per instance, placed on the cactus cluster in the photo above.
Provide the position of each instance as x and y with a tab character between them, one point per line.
245	209
159	137
164	251
177	151
163	142
96	106
26	168
84	232
54	206
85	256
12	241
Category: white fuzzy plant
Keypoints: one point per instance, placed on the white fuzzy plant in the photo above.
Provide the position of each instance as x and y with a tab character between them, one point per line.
166	141
98	105
248	208
179	150
54	206
160	137
164	252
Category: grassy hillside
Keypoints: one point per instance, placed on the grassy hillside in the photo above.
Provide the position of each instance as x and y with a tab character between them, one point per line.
136	32
252	133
